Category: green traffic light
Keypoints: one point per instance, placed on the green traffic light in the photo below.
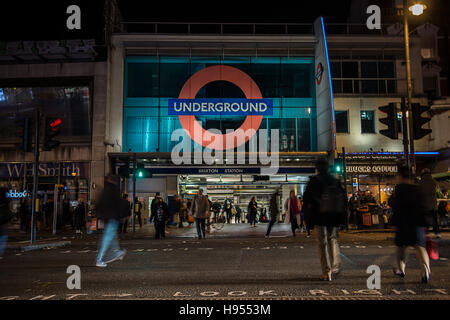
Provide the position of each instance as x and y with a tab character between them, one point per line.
338	169
140	174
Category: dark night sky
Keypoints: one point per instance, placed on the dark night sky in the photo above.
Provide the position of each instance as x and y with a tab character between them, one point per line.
46	20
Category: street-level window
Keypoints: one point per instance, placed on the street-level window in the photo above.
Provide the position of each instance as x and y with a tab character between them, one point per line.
341	118
367	122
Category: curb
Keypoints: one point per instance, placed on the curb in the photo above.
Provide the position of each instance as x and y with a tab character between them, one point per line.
38	246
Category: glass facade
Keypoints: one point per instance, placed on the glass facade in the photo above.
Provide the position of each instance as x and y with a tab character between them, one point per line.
71	104
149	82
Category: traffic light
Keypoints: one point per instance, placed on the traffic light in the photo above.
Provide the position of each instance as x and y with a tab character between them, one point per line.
23	131
142	172
419	121
391	121
52	129
338	166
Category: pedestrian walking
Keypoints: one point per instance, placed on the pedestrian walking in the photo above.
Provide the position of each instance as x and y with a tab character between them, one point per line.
66	212
302	214
428	188
125	213
5	216
353	205
199	210
274	210
177	210
227	205
108	209
160	216
326	202
237	217
409	206
292	211
216	207
252	211
138	211
80	216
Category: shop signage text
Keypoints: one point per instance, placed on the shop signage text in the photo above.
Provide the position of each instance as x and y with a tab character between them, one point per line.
213	107
14	194
17	170
372	169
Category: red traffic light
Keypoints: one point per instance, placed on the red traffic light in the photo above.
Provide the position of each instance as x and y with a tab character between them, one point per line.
55	123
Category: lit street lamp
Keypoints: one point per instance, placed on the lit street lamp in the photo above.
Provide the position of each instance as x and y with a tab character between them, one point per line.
416	9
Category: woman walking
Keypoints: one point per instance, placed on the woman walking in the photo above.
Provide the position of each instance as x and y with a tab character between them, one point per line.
292	209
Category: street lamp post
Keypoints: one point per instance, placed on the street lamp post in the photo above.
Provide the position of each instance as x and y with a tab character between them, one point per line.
416	9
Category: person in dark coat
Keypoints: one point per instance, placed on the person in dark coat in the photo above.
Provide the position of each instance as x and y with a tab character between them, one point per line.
107	209
177	210
125	214
325	203
160	215
274	210
237	217
80	216
252	211
429	187
66	212
409	220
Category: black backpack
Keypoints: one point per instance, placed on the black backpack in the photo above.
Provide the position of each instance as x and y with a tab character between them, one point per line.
332	199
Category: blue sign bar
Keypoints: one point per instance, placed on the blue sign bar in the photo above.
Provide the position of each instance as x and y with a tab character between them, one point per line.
224	107
230	170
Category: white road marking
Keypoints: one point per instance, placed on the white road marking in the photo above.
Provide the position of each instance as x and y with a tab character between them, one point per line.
152	249
138	250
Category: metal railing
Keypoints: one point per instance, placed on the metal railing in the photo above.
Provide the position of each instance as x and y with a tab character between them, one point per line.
217	28
230	28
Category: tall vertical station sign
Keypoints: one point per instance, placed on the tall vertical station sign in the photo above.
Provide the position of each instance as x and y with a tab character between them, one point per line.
326	134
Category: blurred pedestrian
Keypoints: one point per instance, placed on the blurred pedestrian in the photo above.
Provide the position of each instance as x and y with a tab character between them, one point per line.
274	210
108	209
292	211
428	188
177	210
160	215
252	211
409	209
125	213
237	217
5	216
302	214
138	211
325	199
199	210
227	205
80	216
66	212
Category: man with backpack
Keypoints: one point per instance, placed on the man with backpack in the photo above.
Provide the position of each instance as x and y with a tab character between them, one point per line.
326	202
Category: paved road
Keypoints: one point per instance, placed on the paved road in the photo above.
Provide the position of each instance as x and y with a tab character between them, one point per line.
235	263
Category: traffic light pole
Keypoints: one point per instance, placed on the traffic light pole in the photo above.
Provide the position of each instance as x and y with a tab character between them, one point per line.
344	168
405	132
35	175
408	76
134	193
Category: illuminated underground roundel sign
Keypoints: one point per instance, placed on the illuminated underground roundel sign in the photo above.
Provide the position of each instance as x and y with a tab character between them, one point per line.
319	73
186	106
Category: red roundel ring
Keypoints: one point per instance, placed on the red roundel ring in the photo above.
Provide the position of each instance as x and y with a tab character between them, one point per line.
199	80
319	73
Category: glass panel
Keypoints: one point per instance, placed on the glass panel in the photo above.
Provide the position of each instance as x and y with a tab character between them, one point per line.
71	104
349	69
367	122
337	86
347	86
369	86
143	80
368	69
341	118
335	69
386	69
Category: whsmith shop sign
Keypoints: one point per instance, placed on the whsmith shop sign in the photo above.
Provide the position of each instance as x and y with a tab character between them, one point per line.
49	169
